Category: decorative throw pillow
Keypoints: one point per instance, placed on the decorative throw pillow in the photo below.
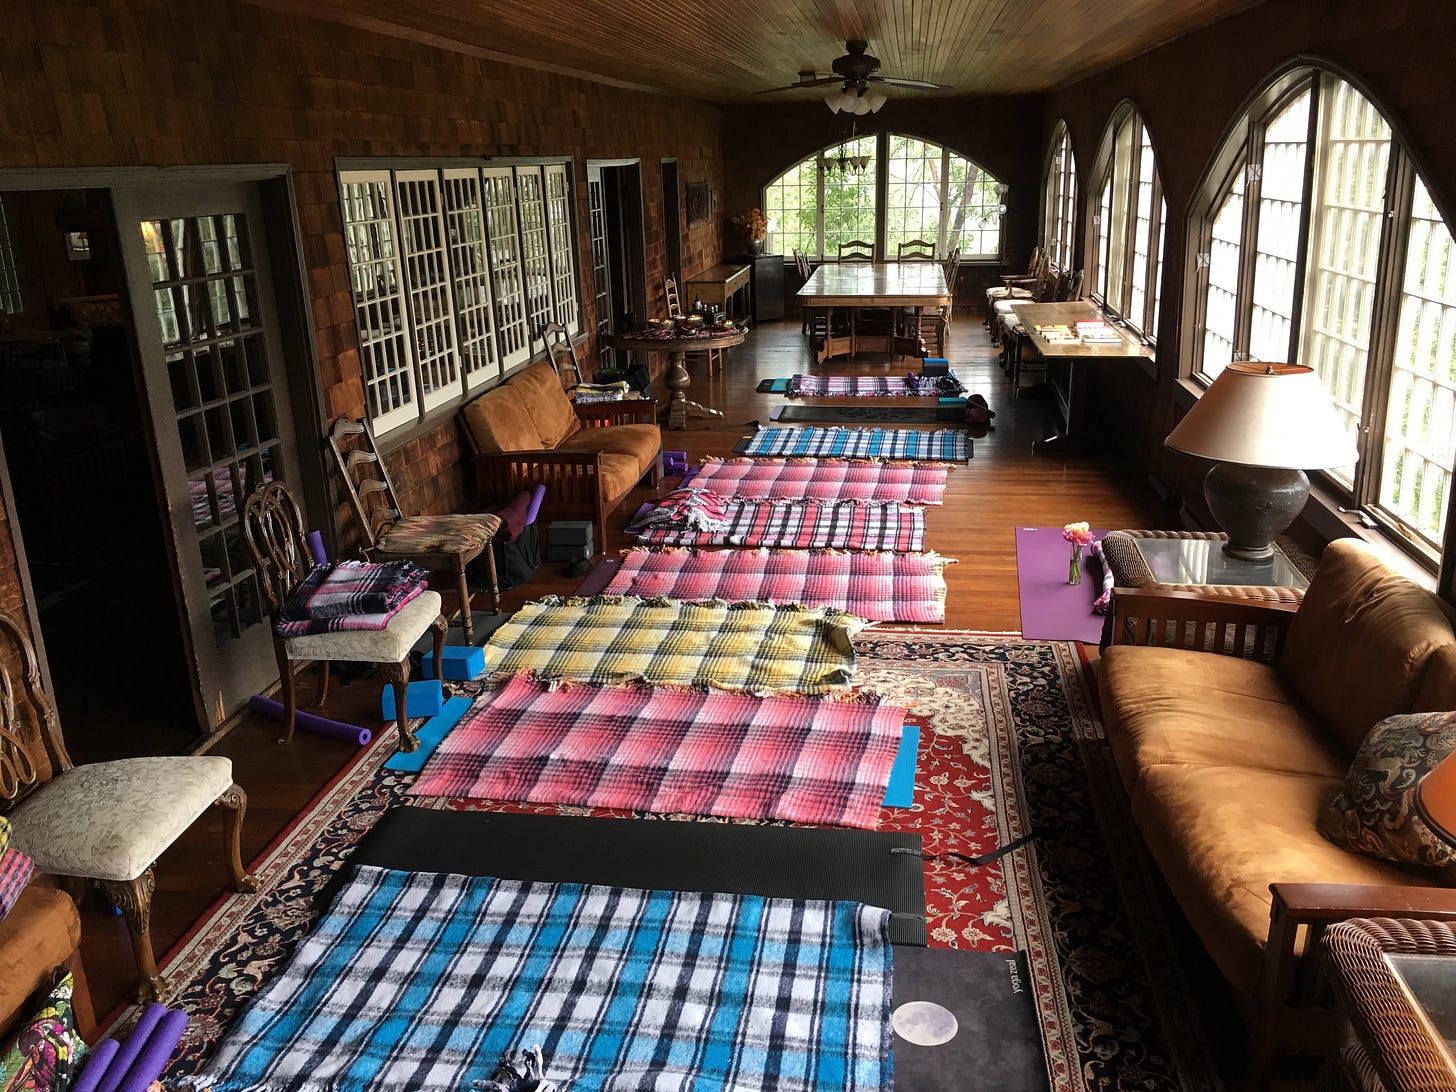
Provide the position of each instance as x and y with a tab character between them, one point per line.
1376	812
44	1054
15	870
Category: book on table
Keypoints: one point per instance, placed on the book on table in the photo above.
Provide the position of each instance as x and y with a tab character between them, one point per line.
1055	332
1095	330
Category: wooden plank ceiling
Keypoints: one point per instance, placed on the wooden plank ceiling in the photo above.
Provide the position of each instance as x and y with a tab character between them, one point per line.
724	50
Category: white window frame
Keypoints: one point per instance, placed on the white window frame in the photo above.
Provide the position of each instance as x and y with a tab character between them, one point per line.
562	241
428	285
1059	193
1126	274
470	276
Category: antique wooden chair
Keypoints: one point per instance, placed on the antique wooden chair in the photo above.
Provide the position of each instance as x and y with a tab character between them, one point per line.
106	821
857	251
562	354
714	357
437	544
274	535
813	321
1014	286
915	250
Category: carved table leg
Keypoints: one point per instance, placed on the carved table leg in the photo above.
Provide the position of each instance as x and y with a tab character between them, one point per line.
677	380
234	804
134	898
397	675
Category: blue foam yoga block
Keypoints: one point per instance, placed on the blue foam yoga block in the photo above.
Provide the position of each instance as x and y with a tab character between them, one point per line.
424	699
460	663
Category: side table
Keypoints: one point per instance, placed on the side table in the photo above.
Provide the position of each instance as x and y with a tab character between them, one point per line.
1195	561
1395	979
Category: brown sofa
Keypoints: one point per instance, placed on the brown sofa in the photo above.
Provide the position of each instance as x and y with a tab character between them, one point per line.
527	432
1229	761
41	932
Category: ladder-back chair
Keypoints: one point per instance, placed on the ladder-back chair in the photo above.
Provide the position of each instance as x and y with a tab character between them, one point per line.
714	357
562	354
276	542
915	250
436	543
105	821
857	251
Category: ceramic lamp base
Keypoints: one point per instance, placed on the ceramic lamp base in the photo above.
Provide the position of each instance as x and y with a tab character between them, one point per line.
1254	504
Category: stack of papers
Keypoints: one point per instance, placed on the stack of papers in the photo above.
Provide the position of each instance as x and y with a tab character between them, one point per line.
1056	332
1095	331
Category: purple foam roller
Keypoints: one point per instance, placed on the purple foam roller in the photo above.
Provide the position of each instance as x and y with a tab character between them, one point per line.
146	1024
311	722
537	496
156	1053
96	1065
316	547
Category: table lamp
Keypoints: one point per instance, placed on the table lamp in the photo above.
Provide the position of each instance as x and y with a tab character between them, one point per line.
1264	425
1436	799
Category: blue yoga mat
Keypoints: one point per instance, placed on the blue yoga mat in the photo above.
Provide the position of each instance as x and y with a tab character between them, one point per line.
429	735
900	792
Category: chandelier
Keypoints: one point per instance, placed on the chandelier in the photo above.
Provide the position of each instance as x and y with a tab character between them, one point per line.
843	163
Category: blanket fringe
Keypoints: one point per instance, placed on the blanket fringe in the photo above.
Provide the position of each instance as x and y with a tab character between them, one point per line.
829	614
929	556
809	460
553	683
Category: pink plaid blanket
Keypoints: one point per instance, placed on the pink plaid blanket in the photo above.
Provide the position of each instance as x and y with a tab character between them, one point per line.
804	525
880	587
822	479
671	751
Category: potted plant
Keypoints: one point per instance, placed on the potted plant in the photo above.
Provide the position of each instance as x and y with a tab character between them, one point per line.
754	226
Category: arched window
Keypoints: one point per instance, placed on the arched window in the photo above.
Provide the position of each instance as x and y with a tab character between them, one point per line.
1127	263
930	193
1317	242
1059	196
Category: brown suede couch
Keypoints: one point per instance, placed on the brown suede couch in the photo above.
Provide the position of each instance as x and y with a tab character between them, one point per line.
1229	761
41	932
590	457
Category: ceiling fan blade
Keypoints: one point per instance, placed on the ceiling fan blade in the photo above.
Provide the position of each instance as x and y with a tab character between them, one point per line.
820	82
895	81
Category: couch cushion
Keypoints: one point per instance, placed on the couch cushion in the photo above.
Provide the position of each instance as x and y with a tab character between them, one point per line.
550	411
1437	692
1358	647
499	421
642	442
619	474
1222	834
1169	705
39	933
1375	812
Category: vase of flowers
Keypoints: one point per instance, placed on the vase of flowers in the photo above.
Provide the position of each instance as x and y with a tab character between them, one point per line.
1079	535
754	226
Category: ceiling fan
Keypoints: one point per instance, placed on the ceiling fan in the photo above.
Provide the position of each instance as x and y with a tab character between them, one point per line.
855	71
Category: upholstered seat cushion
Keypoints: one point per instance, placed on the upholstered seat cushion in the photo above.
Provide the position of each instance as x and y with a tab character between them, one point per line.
1222	834
1168	705
550	410
1005	292
441	534
382	646
499	420
111	820
1003	307
40	932
641	442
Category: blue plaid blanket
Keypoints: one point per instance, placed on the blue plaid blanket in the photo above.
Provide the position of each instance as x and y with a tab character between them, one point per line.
422	981
945	445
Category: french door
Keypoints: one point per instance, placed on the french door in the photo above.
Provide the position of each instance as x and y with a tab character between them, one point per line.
203	304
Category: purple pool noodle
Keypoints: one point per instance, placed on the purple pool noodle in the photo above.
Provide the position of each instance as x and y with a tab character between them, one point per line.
316	547
537	496
147	1023
309	722
156	1053
95	1068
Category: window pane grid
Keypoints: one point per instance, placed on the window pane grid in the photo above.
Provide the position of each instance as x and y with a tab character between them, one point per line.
791	204
1222	301
1104	237
914	193
849	196
369	243
505	265
563	264
470	277
1419	448
427	286
535	259
973	210
1061	201
1145	264
1281	207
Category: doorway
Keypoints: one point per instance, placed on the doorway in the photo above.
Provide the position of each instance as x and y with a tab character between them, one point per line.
619	249
672	219
73	426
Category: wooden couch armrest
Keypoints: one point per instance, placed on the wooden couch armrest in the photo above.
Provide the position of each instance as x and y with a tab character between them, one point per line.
1010	279
1252	629
569	476
640	411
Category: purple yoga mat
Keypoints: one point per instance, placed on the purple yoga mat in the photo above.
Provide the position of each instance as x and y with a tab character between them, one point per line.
1052	609
600	576
309	722
155	1053
95	1068
131	1049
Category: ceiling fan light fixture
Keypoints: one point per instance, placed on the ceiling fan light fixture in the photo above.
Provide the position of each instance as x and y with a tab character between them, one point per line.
875	101
831	100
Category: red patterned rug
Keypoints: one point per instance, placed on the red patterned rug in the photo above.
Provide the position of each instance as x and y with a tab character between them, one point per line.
1010	743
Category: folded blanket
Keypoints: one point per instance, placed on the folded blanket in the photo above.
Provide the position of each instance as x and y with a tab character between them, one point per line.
353	588
688	510
345	623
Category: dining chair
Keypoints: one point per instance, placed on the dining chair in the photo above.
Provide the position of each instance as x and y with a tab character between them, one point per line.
274	535
915	250
103	821
714	357
857	251
1014	286
813	322
444	543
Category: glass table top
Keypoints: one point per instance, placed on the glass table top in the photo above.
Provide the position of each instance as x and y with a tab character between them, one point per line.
1202	561
1431	980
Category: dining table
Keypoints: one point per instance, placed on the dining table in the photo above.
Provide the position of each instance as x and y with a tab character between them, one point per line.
675	343
857	286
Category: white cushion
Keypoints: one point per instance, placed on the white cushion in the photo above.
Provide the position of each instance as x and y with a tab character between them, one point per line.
1003	307
371	646
111	820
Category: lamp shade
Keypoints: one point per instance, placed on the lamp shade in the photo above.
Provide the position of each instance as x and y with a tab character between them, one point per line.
1436	799
1270	415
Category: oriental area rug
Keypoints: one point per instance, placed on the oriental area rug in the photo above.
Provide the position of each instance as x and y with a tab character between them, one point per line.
1010	744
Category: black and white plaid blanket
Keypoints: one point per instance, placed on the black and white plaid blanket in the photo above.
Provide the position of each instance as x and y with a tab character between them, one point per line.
951	445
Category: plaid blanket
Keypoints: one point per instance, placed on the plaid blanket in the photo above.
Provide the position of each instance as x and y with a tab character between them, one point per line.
874	386
950	445
878	586
822	479
346	591
805	525
743	646
421	981
672	751
16	869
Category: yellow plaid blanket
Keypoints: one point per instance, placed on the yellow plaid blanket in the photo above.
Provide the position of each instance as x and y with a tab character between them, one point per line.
732	646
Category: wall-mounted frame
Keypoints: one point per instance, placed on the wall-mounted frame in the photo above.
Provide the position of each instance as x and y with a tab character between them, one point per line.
697	201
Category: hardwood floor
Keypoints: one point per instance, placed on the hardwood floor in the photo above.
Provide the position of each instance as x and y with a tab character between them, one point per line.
1003	486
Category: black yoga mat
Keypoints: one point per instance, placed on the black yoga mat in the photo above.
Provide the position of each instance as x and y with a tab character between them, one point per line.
997	1045
733	858
904	415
